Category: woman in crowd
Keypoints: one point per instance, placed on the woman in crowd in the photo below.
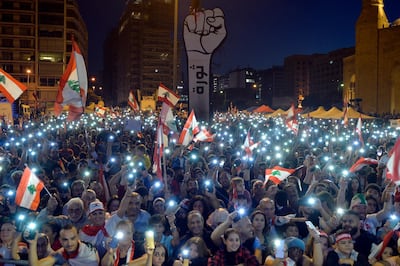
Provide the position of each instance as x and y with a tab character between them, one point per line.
259	222
6	240
195	251
52	230
232	252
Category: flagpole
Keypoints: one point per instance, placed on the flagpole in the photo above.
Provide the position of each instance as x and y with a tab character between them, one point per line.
164	175
48	192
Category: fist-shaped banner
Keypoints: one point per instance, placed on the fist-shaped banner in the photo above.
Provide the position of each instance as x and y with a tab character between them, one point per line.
203	32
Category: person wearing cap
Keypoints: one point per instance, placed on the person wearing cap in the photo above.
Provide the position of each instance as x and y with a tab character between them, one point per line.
295	250
344	252
95	232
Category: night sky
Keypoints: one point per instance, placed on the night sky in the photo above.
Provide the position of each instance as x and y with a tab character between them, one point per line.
260	33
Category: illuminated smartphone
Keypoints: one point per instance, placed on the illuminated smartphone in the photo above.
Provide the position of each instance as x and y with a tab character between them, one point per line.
279	248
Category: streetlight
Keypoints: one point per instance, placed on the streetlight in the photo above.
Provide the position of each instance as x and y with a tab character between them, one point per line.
28	72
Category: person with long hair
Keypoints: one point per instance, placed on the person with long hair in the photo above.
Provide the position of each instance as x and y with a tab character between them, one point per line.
259	222
197	252
232	253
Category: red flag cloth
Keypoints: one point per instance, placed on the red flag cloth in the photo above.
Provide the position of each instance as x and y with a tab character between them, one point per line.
291	120
345	118
73	86
277	174
190	129
393	164
249	144
10	87
166	95
132	102
359	130
361	163
158	150
28	191
204	136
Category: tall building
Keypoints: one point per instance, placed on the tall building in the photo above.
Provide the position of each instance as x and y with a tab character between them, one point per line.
317	77
141	48
372	75
271	81
35	43
326	78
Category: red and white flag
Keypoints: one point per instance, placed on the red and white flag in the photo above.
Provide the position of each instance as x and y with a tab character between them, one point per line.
158	151
204	136
190	129
393	164
249	144
291	120
10	87
167	119
345	117
166	95
132	102
359	130
28	191
73	86
361	163
101	111
277	174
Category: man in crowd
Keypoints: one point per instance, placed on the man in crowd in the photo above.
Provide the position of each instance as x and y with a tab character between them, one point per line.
73	252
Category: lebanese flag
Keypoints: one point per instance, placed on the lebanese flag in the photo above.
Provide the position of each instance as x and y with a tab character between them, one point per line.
291	120
132	102
101	111
345	118
190	129
158	151
393	164
167	119
166	95
277	174
73	86
361	163
249	144
28	191
10	87
204	136
359	130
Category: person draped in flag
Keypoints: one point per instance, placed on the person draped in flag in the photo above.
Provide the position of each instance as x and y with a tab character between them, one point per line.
95	232
124	253
73	252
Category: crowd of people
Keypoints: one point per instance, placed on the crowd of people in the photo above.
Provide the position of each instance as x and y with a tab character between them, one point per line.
104	205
